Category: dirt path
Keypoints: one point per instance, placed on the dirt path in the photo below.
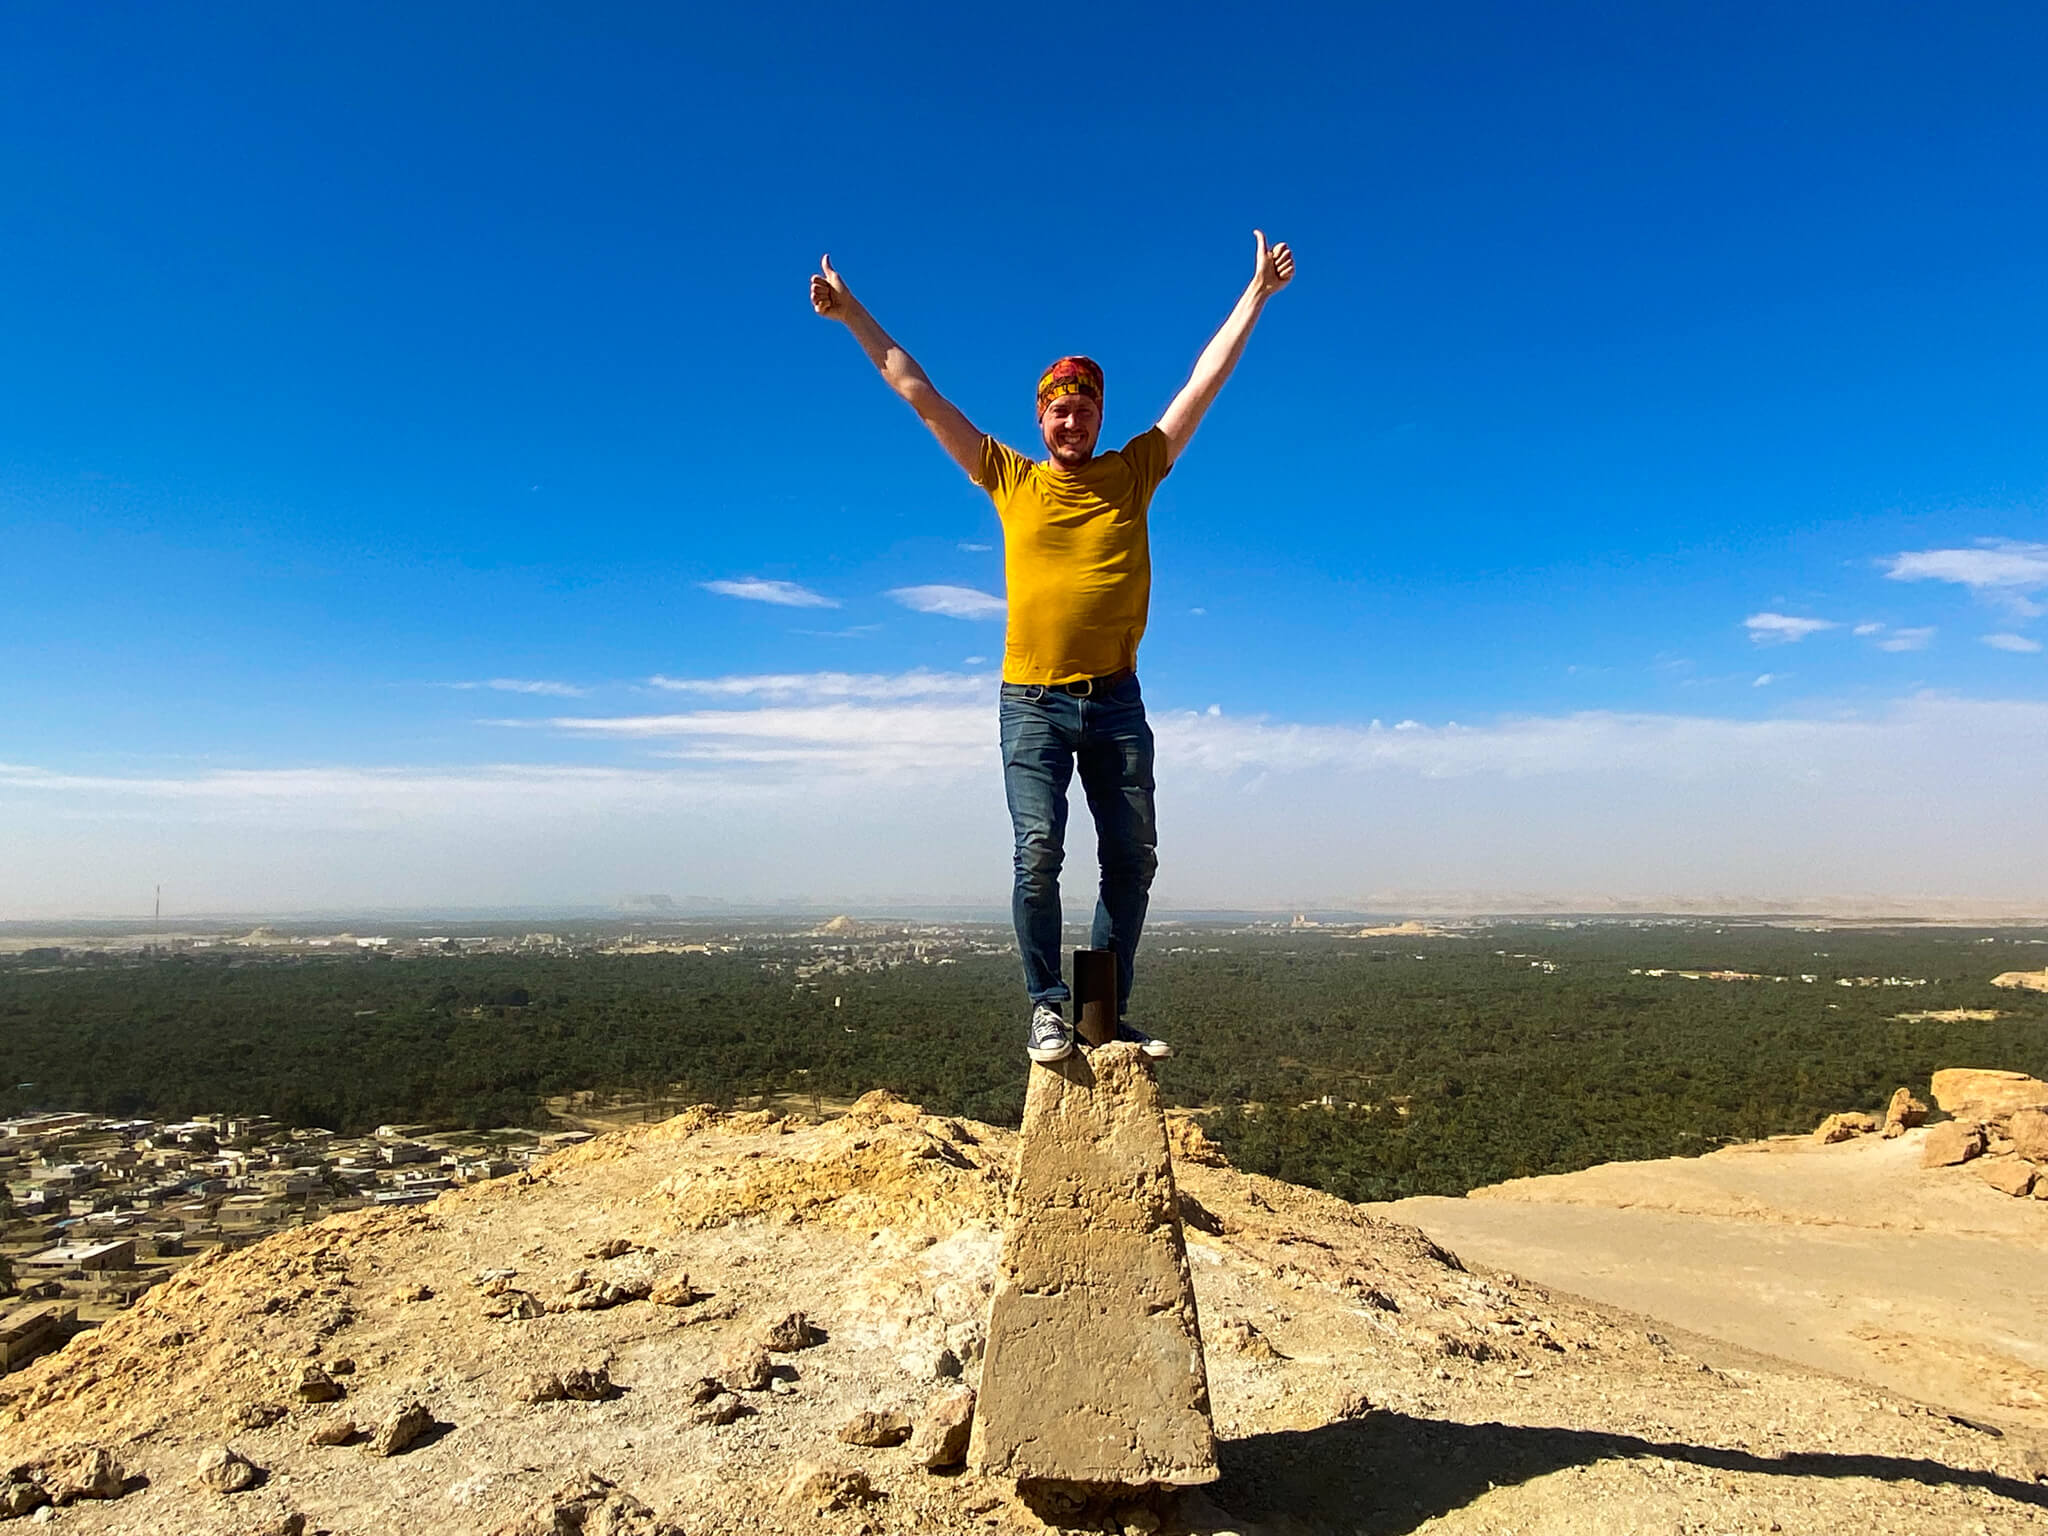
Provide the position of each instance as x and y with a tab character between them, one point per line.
1849	1258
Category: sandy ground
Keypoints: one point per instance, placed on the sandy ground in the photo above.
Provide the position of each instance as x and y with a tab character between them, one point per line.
1848	1258
1363	1380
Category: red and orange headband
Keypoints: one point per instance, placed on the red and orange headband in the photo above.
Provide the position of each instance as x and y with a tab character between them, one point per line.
1070	376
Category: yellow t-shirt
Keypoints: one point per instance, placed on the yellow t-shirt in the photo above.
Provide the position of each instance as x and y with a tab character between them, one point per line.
1076	557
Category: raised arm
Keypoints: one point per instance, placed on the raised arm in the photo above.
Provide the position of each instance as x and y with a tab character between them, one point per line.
1272	271
831	298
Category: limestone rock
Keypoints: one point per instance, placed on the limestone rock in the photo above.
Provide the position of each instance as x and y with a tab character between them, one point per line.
588	1384
405	1425
675	1291
703	1389
537	1387
1951	1142
720	1408
589	1505
1345	1404
611	1248
255	1416
19	1495
1190	1143
876	1429
823	1489
598	1295
1094	1370
514	1304
942	1435
293	1524
1844	1127
1903	1113
1242	1337
1980	1093
2029	1132
2007	1175
336	1429
83	1472
745	1367
790	1333
226	1470
316	1386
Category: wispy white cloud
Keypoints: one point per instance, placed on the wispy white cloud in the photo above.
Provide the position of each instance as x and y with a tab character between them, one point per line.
977	549
953	602
1783	628
528	685
904	795
1867	629
1765	679
784	594
2011	642
1908	639
2003	571
917	684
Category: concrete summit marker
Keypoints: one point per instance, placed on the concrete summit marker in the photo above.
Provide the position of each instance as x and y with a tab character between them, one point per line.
1094	1369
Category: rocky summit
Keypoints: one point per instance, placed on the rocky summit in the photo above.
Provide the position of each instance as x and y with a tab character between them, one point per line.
744	1323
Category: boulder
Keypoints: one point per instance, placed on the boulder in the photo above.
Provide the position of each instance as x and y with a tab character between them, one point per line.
226	1470
589	1505
790	1333
316	1386
1951	1142
588	1384
941	1437
2007	1175
745	1367
1903	1113
244	1416
335	1429
875	1429
1094	1370
519	1306
2029	1132
1981	1093
19	1495
720	1408
824	1489
1844	1126
537	1387
398	1432
675	1291
82	1472
293	1524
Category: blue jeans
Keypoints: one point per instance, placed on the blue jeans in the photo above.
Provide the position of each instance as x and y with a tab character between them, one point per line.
1045	733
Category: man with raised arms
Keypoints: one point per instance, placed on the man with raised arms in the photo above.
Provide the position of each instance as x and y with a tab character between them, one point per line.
1079	572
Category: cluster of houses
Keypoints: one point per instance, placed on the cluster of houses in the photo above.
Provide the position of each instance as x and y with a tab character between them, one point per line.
99	1210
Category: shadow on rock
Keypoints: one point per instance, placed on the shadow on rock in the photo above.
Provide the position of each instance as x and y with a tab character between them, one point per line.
1390	1473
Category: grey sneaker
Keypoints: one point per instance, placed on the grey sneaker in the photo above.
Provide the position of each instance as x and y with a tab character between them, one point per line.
1052	1038
1158	1050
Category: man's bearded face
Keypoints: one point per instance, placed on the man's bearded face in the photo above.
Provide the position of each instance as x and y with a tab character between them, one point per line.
1070	424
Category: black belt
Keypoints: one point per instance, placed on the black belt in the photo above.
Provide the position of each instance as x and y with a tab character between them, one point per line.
1088	687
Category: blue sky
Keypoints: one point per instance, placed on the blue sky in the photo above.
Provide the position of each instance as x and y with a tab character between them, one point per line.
361	360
